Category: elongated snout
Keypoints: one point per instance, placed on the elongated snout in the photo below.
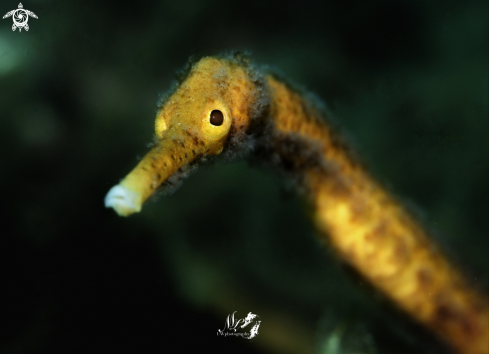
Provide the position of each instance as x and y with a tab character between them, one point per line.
161	162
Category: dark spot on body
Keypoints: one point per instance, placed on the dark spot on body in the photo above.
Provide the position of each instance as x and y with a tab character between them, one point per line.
197	141
298	153
444	313
425	278
378	232
448	314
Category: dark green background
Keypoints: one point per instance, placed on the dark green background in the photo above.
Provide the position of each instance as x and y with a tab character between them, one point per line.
407	81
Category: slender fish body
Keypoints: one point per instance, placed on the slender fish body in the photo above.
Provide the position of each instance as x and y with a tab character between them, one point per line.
226	106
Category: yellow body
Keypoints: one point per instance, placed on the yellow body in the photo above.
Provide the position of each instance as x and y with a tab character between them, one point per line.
369	229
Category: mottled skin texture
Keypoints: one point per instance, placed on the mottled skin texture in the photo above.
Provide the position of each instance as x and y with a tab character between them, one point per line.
183	132
368	228
376	236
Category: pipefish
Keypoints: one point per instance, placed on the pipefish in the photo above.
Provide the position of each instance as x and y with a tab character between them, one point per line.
226	106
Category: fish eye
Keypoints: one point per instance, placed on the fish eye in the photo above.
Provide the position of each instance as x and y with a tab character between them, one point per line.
216	117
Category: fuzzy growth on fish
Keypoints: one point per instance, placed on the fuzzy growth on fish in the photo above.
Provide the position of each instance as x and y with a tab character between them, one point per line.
211	110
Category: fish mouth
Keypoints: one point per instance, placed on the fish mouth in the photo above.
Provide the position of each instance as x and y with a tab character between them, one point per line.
161	162
123	200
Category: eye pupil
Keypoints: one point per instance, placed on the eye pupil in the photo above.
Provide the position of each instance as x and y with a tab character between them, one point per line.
216	117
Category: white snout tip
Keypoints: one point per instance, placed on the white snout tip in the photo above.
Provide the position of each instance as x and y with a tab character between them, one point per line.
122	200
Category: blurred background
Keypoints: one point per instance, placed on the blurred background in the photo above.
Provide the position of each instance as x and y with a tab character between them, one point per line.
407	82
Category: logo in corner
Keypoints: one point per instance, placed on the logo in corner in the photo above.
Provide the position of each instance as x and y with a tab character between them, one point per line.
20	17
246	328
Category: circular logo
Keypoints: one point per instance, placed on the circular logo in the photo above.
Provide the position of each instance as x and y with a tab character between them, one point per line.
20	17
